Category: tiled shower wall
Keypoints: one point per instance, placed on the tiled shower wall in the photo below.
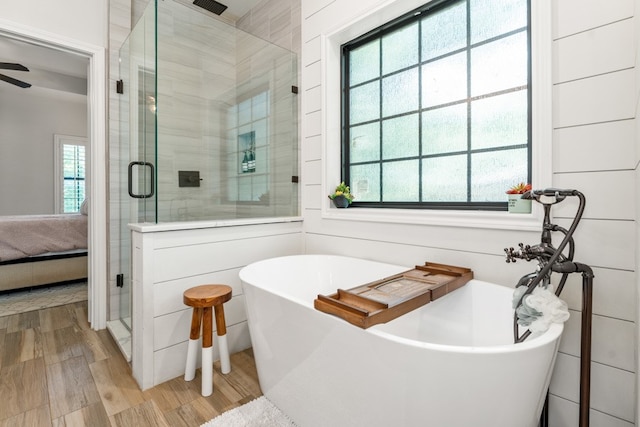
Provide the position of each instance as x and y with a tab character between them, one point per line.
207	69
277	21
196	63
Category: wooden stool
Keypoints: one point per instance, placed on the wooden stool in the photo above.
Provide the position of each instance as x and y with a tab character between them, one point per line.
202	299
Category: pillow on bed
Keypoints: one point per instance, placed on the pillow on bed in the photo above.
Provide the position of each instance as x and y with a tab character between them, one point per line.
84	207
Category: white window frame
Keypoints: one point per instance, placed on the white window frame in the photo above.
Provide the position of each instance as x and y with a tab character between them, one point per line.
59	141
541	69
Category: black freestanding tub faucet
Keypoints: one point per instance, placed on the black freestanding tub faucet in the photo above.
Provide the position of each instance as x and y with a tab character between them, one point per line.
554	260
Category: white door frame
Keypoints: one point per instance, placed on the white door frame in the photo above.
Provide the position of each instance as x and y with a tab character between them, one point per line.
97	117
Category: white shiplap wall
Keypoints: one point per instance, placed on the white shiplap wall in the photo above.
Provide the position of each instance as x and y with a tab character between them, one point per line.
595	96
167	262
594	143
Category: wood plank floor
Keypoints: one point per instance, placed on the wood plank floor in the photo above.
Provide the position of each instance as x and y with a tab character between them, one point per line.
56	371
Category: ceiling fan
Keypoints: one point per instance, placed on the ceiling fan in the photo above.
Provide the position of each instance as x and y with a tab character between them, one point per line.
16	67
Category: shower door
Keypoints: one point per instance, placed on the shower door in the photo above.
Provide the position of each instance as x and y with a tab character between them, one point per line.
134	193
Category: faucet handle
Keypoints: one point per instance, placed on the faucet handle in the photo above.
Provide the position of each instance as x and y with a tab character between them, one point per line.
512	254
524	252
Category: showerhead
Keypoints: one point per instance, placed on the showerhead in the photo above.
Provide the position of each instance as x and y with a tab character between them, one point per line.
211	5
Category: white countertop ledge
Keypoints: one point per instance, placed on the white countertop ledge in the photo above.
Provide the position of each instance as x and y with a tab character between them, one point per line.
149	227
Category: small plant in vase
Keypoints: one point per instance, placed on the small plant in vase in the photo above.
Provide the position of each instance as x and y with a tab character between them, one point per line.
516	203
520	188
342	196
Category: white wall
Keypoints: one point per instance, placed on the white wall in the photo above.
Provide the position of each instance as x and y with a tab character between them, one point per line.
80	20
27	125
83	20
594	99
595	94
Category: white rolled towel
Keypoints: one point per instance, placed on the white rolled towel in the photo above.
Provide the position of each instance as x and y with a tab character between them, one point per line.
550	309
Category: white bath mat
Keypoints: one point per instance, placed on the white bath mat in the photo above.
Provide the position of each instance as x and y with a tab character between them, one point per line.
257	413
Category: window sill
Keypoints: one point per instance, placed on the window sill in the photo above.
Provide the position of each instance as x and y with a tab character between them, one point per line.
466	219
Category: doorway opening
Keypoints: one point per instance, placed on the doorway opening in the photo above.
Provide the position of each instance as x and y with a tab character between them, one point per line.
96	168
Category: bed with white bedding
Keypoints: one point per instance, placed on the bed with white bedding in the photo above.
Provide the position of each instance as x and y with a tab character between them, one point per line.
42	249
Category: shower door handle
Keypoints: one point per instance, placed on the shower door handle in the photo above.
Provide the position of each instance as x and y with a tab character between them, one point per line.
130	180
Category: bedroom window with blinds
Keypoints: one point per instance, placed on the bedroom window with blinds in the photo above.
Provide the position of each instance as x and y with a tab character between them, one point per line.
437	107
70	170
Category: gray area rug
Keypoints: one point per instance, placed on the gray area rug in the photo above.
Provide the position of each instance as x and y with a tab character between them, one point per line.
22	301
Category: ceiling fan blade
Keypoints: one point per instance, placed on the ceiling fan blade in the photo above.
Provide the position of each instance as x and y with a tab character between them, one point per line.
14	81
12	66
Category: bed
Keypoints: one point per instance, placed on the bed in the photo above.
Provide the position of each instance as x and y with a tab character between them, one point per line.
42	249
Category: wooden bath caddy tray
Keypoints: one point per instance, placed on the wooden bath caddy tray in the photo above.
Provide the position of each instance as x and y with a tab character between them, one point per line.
391	297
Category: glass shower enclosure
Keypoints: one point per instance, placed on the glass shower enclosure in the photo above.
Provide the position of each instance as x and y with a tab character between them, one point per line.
207	131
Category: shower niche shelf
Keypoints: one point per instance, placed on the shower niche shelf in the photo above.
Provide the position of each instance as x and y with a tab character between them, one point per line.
391	297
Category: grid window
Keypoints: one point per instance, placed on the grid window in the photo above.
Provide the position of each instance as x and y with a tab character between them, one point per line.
436	109
70	161
73	165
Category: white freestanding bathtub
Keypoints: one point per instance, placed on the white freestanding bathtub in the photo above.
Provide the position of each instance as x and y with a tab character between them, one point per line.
450	363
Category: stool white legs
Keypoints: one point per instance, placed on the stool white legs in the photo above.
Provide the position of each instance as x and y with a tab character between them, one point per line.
192	356
225	362
221	330
194	343
204	317
207	351
207	371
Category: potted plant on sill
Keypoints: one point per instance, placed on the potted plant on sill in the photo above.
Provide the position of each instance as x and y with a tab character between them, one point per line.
342	196
516	203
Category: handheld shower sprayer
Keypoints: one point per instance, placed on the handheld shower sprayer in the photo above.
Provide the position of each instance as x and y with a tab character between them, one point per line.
549	258
554	260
